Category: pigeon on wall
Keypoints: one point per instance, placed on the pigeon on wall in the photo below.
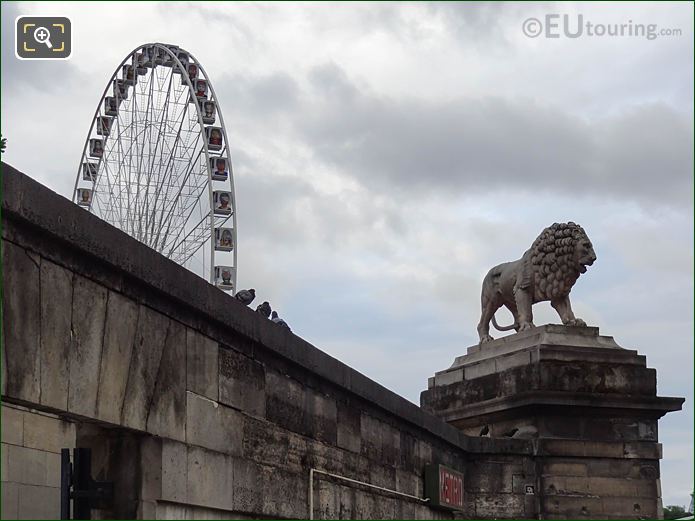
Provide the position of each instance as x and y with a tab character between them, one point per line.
264	309
275	318
246	296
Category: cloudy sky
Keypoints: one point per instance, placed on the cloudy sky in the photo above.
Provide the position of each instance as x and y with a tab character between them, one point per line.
387	155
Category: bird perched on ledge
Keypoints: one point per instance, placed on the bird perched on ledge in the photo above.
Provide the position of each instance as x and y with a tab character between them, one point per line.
264	309
246	296
275	318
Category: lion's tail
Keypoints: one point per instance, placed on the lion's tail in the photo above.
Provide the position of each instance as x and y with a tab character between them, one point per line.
503	328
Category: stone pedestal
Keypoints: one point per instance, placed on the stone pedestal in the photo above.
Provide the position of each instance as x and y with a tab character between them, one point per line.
590	405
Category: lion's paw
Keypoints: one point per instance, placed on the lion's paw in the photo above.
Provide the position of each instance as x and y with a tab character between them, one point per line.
486	338
525	326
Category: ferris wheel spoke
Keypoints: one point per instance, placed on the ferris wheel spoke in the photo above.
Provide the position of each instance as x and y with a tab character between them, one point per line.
159	178
171	176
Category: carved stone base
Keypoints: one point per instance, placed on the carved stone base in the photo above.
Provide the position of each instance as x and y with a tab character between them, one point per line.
564	382
590	404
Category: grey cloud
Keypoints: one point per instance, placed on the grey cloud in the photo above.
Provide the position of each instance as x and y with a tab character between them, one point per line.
479	144
258	96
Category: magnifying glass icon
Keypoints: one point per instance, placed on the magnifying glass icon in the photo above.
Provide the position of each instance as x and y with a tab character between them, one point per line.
43	35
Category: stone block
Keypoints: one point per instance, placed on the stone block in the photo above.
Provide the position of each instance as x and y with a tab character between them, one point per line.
498	506
269	444
322	417
144	366
479	369
151	467
643	450
210	479
242	382
488	477
4	462
88	316
570	507
56	320
53	469
119	336
407	458
631	507
448	377
512	360
47	433
12	425
247	485
407	482
38	502
285	402
10	501
213	426
349	427
21	322
326	500
167	416
202	365
27	466
150	510
592	449
174	471
565	469
284	493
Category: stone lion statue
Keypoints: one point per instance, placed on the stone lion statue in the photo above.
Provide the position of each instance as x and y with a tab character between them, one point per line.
547	271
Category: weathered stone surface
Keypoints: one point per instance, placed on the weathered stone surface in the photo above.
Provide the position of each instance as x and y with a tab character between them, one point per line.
88	316
56	319
270	444
10	501
213	426
498	506
349	427
21	322
152	468
322	417
210	479
284	493
36	502
119	336
242	382
174	471
285	399
202	365
27	465
380	441
144	365
247	484
47	433
12	425
167	415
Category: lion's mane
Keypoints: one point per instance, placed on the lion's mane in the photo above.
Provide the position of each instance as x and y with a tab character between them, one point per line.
552	261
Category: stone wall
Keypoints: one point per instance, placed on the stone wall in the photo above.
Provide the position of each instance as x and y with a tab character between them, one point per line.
31	443
194	405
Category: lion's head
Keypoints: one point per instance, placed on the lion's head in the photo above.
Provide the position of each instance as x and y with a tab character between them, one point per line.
558	256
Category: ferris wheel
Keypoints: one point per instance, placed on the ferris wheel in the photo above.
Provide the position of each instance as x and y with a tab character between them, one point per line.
156	162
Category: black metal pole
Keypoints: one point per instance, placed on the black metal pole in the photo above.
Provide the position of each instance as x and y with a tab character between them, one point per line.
82	483
65	472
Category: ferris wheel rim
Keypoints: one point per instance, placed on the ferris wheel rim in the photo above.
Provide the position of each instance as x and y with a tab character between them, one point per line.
225	151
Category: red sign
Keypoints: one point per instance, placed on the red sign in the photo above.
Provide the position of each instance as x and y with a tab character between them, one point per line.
450	488
444	487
